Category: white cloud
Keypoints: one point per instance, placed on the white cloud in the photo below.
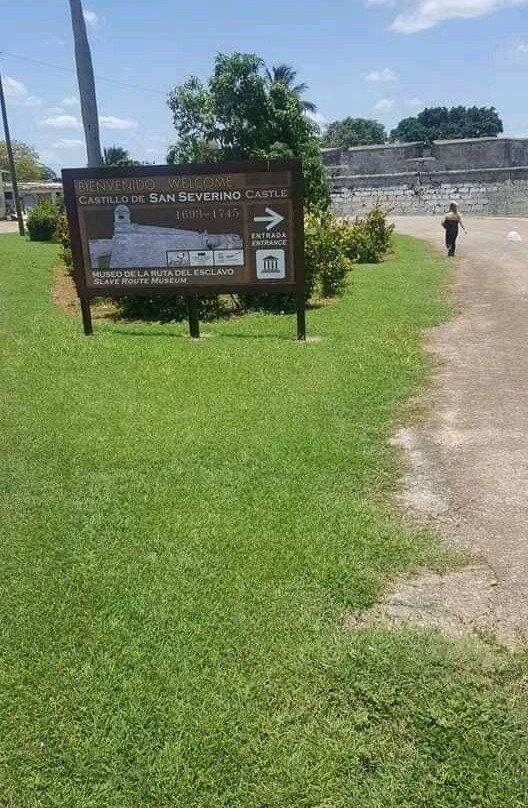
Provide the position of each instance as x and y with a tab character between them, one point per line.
14	88
419	15
381	75
92	20
522	48
67	143
54	111
60	122
70	101
413	103
384	105
111	122
18	93
58	119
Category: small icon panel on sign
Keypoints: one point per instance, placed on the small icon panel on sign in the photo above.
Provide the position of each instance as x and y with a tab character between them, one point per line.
271	265
229	258
201	258
177	258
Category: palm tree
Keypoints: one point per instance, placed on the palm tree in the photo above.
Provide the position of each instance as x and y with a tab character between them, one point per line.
85	77
287	75
117	156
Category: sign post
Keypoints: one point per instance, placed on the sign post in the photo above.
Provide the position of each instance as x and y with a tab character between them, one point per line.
194	322
86	316
157	231
301	316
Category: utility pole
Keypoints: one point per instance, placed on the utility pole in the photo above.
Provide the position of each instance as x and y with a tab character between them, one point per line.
12	169
85	77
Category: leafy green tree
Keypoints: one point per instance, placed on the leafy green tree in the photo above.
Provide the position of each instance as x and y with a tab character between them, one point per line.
47	173
288	76
441	123
354	132
239	114
409	130
118	156
27	164
192	108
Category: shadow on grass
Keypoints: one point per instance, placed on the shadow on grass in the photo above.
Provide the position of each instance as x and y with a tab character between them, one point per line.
134	332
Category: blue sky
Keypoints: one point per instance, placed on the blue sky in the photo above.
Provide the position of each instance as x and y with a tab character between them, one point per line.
375	58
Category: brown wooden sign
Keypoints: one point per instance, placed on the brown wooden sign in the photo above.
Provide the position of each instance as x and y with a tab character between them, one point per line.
165	230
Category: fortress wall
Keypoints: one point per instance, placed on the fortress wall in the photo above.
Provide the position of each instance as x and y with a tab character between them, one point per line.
486	177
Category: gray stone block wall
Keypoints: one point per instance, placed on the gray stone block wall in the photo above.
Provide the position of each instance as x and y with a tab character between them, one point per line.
475	197
387	159
487	176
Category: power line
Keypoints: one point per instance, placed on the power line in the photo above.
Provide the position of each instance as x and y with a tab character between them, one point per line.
70	70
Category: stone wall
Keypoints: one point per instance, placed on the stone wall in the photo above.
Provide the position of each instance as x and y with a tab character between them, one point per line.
389	159
486	177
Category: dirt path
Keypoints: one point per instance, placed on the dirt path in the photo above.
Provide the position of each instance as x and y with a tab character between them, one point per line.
468	460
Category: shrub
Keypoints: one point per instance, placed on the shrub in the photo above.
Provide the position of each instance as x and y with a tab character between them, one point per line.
327	259
379	235
172	309
368	240
274	302
63	235
42	221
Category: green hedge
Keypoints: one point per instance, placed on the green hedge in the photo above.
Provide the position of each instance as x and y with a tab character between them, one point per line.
42	221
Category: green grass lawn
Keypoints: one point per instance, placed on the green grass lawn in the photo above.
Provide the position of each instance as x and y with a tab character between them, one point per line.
184	525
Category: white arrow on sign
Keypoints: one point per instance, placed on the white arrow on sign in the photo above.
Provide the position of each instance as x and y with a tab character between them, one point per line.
273	219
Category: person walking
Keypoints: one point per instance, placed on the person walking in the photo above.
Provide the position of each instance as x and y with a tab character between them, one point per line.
451	222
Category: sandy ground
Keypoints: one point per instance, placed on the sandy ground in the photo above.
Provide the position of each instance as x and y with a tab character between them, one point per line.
468	457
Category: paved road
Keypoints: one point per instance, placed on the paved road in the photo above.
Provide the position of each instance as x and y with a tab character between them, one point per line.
8	227
468	461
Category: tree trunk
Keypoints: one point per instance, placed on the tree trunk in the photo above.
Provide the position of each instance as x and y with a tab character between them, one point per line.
85	76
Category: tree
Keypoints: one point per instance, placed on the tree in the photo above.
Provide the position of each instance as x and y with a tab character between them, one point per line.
441	123
354	132
118	156
410	130
47	173
288	76
27	164
85	77
245	116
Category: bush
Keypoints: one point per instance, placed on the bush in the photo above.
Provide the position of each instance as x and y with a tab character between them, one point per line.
378	236
63	234
172	309
331	248
42	221
274	302
367	241
326	257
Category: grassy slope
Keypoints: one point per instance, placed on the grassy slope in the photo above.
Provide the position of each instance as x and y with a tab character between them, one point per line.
184	524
